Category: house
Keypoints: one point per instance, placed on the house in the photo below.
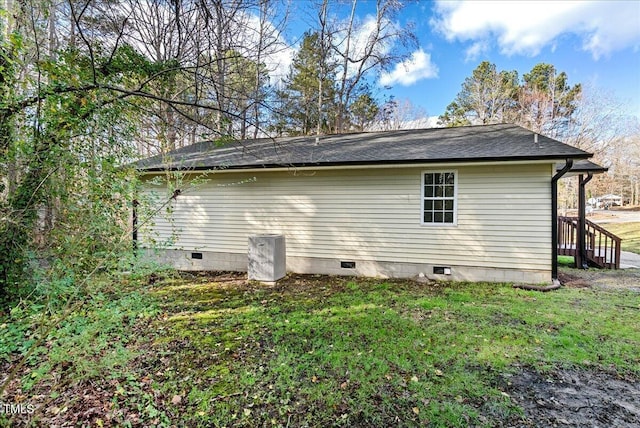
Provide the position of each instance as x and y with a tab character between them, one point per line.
474	203
607	201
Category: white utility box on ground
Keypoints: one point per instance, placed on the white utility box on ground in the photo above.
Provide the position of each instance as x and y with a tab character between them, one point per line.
267	257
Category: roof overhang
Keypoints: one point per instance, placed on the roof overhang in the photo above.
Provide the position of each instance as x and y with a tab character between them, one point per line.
473	144
581	167
353	166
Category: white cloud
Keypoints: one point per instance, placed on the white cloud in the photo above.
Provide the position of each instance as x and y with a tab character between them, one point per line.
408	72
476	50
525	27
278	54
359	44
278	62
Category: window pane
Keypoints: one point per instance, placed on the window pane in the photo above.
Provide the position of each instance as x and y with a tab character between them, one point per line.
439	197
428	179
428	191
450	179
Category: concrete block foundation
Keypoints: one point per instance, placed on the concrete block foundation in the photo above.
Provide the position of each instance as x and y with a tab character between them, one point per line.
240	262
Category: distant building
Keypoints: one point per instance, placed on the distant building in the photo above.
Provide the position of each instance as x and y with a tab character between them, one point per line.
607	201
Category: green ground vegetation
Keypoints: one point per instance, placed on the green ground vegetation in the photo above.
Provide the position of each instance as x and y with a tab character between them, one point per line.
567	261
629	232
312	351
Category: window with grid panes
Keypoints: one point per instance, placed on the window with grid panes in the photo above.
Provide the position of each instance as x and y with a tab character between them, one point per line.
439	197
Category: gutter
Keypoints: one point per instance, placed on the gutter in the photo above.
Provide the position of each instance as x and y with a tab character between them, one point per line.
416	163
554	218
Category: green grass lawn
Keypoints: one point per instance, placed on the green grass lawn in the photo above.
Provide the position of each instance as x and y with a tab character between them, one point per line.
322	351
629	232
568	261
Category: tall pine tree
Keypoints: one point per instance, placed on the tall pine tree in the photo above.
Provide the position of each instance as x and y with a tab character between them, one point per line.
543	101
298	113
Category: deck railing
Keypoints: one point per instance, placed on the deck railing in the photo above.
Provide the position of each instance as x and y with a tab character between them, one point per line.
567	235
602	246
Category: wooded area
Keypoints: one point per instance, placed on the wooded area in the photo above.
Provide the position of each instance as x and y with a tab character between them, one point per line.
89	86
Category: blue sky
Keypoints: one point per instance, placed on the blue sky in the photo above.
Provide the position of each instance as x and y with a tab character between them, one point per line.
597	43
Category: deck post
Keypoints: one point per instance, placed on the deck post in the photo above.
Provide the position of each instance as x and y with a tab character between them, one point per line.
581	255
554	217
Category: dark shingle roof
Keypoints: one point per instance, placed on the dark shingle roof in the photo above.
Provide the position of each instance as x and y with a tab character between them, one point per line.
582	167
463	144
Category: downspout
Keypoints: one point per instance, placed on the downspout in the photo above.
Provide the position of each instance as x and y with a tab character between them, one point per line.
582	224
554	217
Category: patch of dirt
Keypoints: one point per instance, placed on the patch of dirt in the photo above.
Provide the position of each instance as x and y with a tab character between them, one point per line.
575	398
622	279
572	280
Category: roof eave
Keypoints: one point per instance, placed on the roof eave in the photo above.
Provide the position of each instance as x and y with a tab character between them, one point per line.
551	158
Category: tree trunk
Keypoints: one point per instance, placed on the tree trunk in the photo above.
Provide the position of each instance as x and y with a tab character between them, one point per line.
323	54
342	102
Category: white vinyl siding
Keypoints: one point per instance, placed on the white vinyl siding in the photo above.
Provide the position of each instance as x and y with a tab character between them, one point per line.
503	215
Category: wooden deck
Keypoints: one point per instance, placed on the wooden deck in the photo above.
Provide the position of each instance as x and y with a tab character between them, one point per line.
601	247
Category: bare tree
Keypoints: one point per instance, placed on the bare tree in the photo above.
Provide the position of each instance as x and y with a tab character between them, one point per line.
599	120
400	114
601	125
271	24
323	50
84	84
365	46
622	156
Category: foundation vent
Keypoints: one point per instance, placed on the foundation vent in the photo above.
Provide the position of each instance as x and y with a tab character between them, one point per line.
441	270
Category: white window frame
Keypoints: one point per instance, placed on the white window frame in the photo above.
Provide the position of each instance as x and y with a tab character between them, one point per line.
434	198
